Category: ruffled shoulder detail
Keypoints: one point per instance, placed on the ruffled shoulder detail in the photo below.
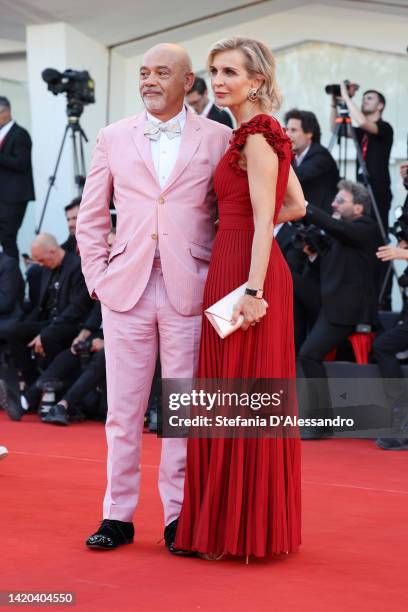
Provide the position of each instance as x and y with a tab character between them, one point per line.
273	133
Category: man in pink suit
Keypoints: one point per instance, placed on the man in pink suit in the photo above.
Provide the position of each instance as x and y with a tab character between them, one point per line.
158	166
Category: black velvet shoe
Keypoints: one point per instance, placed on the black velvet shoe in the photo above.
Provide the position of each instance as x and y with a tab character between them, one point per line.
57	415
170	536
111	534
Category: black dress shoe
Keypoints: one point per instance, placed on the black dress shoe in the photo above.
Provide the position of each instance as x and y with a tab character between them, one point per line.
169	537
10	402
111	534
57	415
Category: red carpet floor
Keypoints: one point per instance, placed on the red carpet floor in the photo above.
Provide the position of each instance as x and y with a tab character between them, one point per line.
355	532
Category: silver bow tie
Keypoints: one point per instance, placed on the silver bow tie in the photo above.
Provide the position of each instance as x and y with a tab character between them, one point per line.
153	130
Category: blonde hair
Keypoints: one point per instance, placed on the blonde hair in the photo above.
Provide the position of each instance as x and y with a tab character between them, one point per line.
259	61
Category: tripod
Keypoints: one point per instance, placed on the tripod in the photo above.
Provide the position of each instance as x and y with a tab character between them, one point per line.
78	136
344	129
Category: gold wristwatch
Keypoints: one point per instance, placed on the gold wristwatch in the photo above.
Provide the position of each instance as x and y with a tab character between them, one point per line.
256	293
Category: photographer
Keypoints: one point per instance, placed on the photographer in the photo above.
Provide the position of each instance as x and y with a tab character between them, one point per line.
348	280
375	137
79	371
395	340
51	326
314	166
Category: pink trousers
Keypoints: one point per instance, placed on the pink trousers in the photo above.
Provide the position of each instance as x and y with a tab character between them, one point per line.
132	340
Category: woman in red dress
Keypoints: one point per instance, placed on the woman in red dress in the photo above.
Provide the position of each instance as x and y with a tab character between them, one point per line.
242	496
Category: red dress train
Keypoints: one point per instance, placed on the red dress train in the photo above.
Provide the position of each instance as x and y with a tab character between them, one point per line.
242	496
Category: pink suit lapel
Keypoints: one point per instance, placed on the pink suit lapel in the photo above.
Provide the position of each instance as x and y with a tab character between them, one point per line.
143	144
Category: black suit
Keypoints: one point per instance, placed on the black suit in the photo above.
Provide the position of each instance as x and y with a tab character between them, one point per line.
348	270
11	292
17	188
72	306
220	116
318	175
73	301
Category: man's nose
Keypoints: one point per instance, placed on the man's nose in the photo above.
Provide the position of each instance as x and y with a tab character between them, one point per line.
150	81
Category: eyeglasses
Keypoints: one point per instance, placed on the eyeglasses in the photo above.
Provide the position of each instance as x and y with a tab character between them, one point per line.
341	200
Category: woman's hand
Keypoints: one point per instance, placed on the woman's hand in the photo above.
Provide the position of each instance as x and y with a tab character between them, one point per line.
390	252
251	308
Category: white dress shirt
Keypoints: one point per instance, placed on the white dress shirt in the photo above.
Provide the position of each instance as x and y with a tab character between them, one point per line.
207	108
4	130
301	157
165	150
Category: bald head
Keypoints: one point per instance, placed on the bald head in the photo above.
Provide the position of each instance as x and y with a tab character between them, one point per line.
46	251
172	54
166	76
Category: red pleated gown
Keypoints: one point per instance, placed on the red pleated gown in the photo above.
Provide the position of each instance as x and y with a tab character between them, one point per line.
242	496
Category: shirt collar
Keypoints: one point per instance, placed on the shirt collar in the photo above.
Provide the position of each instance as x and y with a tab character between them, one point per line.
301	157
207	109
180	117
6	128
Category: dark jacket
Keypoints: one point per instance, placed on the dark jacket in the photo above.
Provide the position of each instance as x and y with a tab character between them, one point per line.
220	115
11	288
16	176
73	301
349	269
70	245
318	176
295	258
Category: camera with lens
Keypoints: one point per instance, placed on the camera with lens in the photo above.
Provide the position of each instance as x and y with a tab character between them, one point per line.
83	350
49	389
334	89
77	85
315	238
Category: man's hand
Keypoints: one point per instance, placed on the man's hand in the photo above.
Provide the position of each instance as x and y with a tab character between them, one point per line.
309	251
390	252
36	344
404	171
344	91
81	337
97	345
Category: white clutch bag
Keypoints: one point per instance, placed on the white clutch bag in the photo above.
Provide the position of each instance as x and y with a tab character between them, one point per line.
220	313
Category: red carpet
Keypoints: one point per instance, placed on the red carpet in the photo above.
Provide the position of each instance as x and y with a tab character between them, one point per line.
355	532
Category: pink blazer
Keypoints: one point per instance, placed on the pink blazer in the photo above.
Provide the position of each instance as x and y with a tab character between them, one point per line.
180	215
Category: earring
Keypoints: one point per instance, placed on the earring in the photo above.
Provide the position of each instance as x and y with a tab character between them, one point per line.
252	95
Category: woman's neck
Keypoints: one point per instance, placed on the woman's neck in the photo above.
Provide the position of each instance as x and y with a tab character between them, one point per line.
245	112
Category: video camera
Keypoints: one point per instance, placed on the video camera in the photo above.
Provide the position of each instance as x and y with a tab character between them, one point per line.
334	89
315	238
78	85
